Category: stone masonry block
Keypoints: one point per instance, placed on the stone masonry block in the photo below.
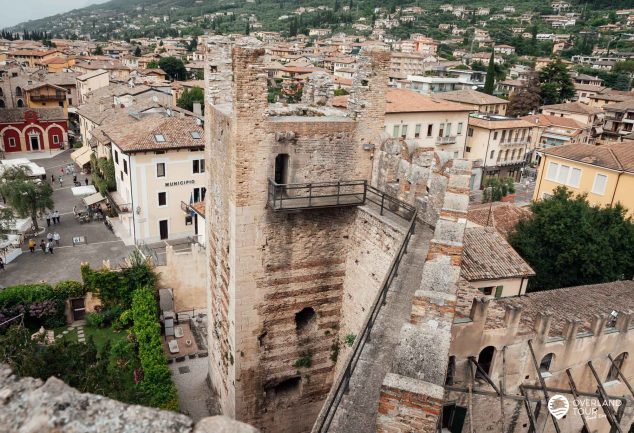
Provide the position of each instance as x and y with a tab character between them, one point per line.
456	202
422	353
450	231
439	275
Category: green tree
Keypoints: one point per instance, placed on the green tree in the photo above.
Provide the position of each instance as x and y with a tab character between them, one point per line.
173	67
526	99
247	29
489	83
624	66
137	52
26	196
623	82
569	242
556	83
98	51
495	188
153	64
189	96
6	221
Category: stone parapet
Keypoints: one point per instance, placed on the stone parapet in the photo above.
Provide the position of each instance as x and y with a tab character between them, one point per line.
30	405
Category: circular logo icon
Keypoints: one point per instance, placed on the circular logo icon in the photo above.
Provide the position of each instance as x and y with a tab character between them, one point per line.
558	406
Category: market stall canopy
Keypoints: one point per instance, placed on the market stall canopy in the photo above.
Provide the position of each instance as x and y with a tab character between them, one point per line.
81	156
92	199
83	190
35	171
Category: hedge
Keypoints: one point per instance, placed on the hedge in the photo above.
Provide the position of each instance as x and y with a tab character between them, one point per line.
157	382
42	304
117	287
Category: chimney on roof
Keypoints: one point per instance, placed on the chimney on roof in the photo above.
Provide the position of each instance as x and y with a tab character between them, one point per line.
198	111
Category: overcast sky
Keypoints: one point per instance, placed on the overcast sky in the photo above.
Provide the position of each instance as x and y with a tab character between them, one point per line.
13	12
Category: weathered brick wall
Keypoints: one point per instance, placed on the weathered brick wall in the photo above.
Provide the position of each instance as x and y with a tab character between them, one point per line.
408	405
372	245
267	269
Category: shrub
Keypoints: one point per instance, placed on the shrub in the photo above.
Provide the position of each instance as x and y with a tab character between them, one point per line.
116	287
95	320
157	382
305	360
349	339
41	304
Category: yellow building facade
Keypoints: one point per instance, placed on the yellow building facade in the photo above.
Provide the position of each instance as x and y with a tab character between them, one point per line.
604	173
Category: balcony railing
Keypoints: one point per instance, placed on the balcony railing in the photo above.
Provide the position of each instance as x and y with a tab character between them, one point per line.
518	142
298	196
446	140
295	196
44	98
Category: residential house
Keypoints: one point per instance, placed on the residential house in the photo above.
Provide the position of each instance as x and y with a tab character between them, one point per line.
427	121
605	173
160	169
90	82
619	119
506	50
551	131
582	113
501	143
479	101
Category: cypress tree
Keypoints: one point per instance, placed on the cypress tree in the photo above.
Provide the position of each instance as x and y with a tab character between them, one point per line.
489	84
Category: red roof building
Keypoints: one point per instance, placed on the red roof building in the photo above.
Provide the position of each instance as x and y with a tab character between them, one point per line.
33	129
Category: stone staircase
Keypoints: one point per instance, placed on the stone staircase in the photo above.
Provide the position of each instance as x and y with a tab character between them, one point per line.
357	411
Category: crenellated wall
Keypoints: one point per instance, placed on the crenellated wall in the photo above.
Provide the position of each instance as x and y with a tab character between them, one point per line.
412	395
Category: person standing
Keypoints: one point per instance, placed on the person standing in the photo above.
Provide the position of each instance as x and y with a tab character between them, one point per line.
48	219
43	246
61	181
52	178
1	264
49	247
56	217
49	236
32	245
56	238
86	180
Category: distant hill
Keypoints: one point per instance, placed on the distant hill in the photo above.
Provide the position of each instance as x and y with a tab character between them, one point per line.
135	18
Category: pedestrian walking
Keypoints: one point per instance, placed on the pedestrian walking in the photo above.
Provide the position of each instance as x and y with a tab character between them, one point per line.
1	264
56	217
52	178
74	179
43	246
49	247
48	219
56	238
61	181
86	181
32	245
49	236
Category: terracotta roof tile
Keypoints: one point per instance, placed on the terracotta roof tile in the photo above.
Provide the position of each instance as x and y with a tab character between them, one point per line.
613	156
176	132
499	124
573	107
469	96
570	303
12	115
407	101
503	216
488	256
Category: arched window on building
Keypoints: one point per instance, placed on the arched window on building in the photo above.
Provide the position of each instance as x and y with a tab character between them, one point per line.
20	103
18	92
615	366
485	360
546	364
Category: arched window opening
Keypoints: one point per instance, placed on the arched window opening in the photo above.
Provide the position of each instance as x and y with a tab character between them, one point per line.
616	366
485	360
304	319
546	363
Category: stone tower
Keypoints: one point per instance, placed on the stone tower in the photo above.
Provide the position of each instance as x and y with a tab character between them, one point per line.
276	279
